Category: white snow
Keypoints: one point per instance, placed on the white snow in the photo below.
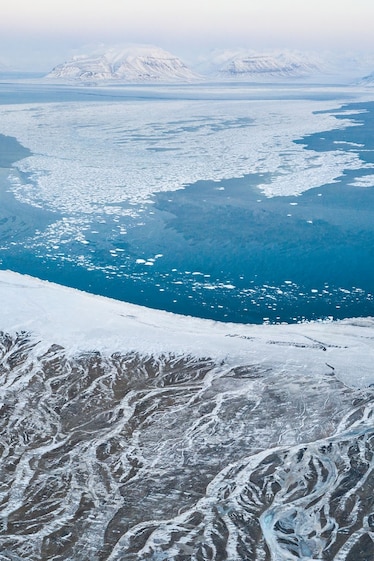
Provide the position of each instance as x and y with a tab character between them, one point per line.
83	322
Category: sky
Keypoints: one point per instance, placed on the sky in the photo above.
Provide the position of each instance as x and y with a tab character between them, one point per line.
37	34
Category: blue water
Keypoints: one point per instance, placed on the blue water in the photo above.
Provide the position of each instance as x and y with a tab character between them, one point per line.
222	250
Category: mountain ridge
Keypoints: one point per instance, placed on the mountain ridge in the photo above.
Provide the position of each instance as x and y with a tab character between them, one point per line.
134	63
129	64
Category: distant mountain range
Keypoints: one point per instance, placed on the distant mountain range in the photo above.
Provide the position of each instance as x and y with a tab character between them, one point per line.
144	63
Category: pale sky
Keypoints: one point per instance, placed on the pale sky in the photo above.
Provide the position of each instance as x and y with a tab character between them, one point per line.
37	34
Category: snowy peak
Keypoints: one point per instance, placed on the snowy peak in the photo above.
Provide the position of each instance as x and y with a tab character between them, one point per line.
264	66
268	65
131	64
288	66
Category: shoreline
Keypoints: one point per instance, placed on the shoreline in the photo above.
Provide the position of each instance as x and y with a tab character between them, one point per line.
83	322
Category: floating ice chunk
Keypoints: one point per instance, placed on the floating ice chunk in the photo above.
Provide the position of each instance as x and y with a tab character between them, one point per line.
365	181
356	144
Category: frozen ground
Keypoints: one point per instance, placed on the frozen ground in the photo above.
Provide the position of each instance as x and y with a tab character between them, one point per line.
133	434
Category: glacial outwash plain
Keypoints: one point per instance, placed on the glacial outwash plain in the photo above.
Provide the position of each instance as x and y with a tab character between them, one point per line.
186	322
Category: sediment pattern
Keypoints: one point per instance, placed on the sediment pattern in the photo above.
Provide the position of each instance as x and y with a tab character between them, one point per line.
127	457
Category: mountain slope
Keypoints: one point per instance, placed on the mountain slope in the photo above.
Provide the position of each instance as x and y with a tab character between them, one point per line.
257	66
130	64
278	65
272	66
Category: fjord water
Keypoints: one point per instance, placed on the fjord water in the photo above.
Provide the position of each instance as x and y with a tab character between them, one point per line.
220	250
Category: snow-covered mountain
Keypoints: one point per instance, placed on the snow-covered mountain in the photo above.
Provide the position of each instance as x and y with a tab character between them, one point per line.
295	66
129	64
257	66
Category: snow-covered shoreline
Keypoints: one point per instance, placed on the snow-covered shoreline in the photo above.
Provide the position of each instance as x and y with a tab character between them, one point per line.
84	322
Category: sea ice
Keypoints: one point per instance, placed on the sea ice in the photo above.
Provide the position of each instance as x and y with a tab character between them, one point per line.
90	160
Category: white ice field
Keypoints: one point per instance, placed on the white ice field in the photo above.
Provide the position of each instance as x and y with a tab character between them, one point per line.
90	160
